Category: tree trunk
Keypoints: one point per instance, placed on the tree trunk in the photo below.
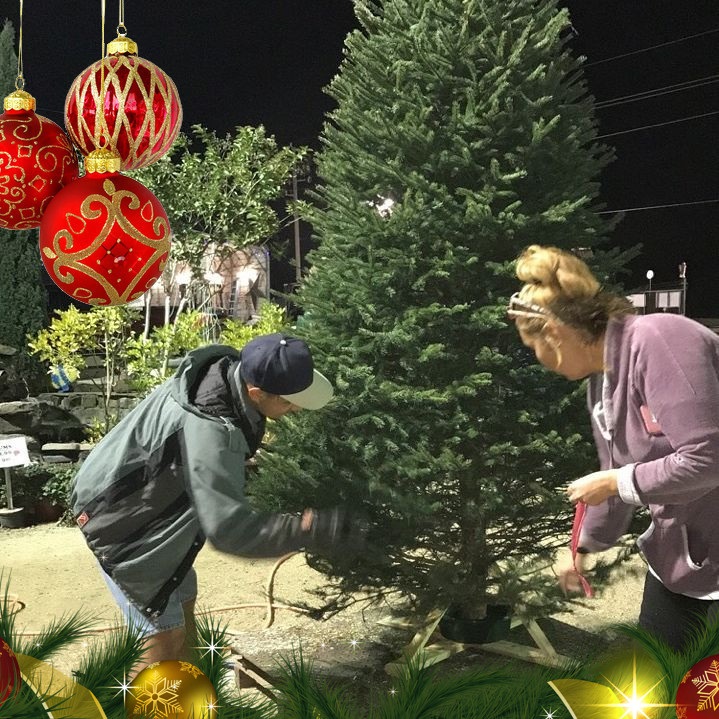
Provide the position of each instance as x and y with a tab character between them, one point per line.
109	375
473	555
148	310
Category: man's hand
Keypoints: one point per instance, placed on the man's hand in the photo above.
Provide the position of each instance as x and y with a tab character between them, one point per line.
333	530
594	488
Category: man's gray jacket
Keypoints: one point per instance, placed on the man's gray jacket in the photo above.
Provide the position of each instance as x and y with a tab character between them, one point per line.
170	475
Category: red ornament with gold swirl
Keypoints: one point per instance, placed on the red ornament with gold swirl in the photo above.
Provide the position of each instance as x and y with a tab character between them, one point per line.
9	672
105	238
36	161
124	102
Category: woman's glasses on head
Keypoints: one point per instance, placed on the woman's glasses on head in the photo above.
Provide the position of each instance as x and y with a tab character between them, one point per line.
519	308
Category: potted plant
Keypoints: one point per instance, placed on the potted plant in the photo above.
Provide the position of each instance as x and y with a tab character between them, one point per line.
12	517
53	502
43	490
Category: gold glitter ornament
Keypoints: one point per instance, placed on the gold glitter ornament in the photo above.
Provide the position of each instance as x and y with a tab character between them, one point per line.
171	690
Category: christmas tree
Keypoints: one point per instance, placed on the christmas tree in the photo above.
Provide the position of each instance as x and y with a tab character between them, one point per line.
23	300
463	132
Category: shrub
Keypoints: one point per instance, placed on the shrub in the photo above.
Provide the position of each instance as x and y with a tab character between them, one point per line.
272	318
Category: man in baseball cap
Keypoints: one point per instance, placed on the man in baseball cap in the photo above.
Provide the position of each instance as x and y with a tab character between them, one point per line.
171	474
282	366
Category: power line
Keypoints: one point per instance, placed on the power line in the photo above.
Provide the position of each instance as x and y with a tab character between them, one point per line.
653	47
658	207
658	124
657	91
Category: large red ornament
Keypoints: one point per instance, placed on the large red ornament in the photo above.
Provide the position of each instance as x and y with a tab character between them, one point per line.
9	673
698	693
139	114
105	238
36	161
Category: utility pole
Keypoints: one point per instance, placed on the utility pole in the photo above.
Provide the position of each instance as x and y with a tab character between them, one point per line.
296	222
303	173
683	278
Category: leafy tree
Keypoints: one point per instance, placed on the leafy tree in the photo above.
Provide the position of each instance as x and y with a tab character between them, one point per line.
219	198
74	336
23	301
272	318
148	359
463	133
8	58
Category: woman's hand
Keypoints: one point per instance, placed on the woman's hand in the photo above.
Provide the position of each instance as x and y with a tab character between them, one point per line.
308	518
568	576
593	488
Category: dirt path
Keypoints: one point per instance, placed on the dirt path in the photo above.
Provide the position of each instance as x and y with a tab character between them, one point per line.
52	572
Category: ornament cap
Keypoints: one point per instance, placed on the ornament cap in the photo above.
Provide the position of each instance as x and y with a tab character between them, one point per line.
122	45
19	100
103	161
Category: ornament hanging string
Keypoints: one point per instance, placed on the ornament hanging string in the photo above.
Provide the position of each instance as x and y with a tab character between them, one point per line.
121	29
102	52
20	79
101	94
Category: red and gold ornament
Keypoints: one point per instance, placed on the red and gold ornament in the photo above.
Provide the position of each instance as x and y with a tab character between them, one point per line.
105	238
172	689
125	102
9	673
698	693
36	161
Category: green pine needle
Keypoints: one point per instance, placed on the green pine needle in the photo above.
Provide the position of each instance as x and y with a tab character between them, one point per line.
58	635
107	663
422	694
211	632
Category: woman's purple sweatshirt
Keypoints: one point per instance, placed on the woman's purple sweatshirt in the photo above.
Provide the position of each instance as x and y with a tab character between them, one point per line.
659	423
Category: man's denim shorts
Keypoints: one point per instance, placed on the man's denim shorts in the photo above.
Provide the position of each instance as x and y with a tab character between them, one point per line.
172	618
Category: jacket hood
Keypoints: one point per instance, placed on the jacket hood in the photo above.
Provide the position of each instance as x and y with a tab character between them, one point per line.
190	367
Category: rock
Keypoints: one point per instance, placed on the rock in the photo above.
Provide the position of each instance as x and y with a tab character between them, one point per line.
51	447
12	386
60	452
59	459
8	428
41	420
18	408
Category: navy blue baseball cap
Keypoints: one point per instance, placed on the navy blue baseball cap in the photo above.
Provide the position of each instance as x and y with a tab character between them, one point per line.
283	365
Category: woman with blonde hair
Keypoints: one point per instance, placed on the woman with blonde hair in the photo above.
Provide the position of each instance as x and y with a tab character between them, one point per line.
653	398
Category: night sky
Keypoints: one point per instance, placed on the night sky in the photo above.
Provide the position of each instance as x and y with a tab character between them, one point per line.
239	62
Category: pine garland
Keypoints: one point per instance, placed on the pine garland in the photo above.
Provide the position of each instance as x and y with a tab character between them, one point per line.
513	690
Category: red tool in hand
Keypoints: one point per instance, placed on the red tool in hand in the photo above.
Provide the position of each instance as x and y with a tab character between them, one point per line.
579	512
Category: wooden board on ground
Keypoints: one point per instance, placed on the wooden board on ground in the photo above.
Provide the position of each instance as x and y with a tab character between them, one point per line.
249	676
436	648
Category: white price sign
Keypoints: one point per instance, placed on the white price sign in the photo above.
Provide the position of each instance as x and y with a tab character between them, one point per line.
13	452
